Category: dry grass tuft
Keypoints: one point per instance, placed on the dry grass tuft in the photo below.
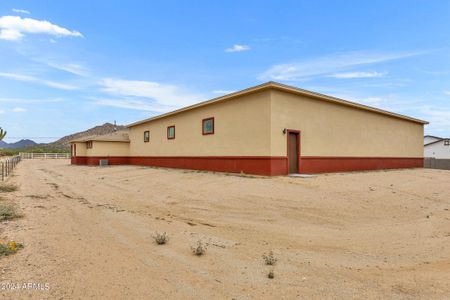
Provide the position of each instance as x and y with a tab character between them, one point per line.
200	249
7	188
8	212
161	238
270	259
37	196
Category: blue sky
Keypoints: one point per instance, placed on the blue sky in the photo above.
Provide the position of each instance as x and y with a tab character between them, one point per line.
66	66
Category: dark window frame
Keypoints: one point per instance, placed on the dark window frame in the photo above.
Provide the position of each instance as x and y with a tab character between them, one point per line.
89	144
146	136
168	129
203	126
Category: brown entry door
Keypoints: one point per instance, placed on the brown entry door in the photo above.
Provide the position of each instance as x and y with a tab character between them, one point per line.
293	152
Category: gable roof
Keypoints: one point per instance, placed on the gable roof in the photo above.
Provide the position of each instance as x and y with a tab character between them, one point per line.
285	88
433	136
434	142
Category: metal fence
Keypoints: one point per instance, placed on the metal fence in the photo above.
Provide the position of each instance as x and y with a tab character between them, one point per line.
434	163
7	165
44	155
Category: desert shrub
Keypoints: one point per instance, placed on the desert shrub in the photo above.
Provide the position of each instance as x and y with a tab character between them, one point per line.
7	188
269	259
271	275
8	212
160	238
10	248
200	249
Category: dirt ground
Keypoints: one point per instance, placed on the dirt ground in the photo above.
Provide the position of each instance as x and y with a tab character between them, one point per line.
88	232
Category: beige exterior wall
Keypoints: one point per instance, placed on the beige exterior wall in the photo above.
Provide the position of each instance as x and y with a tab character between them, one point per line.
329	129
252	125
241	126
101	148
81	149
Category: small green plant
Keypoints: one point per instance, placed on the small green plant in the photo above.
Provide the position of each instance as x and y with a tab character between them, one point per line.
8	212
160	238
10	248
200	249
270	259
7	188
271	275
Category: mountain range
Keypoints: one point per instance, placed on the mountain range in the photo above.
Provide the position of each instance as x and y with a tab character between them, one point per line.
63	143
19	144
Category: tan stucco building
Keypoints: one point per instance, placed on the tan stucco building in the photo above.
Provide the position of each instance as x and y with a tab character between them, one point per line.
270	129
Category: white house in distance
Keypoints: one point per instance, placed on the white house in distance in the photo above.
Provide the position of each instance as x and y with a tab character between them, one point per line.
436	147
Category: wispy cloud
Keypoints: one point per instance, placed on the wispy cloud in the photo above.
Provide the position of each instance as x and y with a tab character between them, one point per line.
352	75
27	78
73	68
223	92
18	109
328	65
439	118
238	48
2	111
21	11
133	104
447	93
13	28
163	94
30	101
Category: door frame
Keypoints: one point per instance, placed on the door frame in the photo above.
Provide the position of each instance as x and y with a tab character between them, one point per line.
297	133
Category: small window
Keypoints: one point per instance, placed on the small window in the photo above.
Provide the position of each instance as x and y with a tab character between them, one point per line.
208	126
171	132
89	144
447	143
146	136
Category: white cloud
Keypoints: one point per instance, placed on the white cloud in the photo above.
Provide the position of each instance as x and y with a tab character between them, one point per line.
27	78
18	109
327	65
163	94
13	28
238	48
223	92
350	75
10	35
21	11
447	93
133	104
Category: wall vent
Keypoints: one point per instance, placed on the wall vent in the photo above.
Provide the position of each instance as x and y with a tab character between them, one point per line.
103	162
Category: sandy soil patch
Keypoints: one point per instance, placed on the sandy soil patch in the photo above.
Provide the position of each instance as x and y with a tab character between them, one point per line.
88	232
